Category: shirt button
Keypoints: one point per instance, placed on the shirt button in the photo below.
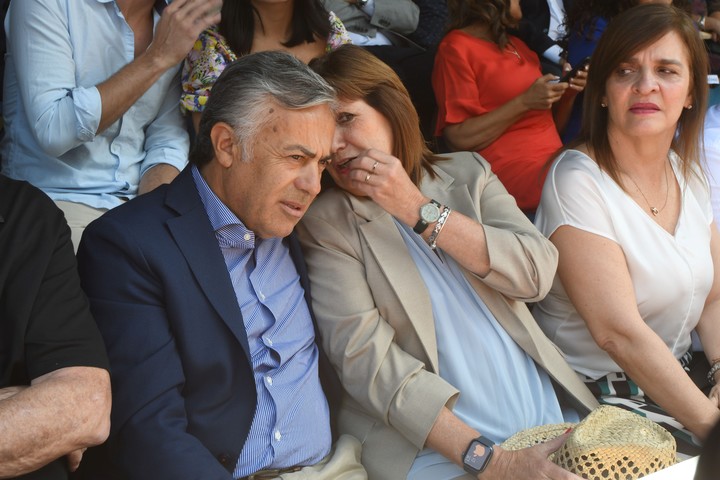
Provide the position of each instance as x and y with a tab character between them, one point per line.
269	380
262	296
247	237
268	342
278	435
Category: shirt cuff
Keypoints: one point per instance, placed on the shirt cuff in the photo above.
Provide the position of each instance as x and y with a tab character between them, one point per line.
165	156
553	54
88	109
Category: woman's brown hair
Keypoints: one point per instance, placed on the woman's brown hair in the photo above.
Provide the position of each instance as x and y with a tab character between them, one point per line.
627	34
356	74
495	14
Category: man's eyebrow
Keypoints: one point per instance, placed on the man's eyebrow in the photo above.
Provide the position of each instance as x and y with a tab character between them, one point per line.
303	149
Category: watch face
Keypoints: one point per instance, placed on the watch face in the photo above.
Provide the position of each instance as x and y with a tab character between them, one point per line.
430	212
475	456
478	455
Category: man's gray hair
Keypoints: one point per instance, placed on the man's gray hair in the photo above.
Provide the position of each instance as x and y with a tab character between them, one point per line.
248	88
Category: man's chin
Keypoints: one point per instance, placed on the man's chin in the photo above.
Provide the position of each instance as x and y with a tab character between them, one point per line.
277	231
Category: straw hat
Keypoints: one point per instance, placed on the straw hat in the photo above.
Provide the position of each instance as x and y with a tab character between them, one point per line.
610	443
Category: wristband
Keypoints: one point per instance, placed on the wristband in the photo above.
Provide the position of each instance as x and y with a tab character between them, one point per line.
432	240
713	370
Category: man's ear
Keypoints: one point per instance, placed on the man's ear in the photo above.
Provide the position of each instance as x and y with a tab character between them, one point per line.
222	136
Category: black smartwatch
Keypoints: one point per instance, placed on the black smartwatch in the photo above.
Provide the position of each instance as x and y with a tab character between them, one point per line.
478	455
429	213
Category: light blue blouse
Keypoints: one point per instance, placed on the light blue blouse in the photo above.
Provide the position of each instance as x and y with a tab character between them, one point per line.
502	389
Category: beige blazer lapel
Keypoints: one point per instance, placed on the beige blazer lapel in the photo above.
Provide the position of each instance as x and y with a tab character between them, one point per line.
392	258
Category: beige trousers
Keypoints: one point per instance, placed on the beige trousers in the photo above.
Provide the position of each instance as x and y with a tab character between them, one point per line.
78	216
342	463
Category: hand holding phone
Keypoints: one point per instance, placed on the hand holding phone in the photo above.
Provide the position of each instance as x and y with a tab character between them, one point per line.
580	66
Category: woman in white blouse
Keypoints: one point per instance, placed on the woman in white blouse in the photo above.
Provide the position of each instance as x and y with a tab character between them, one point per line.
628	208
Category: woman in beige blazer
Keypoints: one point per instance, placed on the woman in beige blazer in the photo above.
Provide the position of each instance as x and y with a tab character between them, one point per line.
384	308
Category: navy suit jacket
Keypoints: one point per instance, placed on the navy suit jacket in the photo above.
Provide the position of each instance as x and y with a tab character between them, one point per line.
183	387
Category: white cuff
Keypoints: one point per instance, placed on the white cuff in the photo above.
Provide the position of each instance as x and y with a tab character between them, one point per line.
553	54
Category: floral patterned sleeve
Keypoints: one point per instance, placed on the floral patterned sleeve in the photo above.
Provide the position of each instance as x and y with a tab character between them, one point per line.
338	34
203	65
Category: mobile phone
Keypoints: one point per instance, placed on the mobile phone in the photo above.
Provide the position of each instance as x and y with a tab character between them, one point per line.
580	66
160	5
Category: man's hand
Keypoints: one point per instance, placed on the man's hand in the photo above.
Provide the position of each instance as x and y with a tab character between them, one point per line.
179	26
62	411
74	459
8	392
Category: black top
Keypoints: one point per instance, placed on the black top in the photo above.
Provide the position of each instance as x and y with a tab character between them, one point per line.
713	6
45	321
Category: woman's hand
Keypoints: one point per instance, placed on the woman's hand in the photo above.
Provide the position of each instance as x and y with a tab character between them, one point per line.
563	109
382	177
715	395
543	93
577	82
528	463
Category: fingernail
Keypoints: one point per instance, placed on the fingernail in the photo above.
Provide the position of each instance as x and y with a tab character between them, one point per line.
568	430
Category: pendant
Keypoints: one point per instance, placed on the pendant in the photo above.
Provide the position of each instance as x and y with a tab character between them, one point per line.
654	211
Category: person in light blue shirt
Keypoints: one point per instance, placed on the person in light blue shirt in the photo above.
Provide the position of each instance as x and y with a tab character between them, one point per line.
420	266
91	98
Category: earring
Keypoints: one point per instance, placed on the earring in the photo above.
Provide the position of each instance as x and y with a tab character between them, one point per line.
689	107
603	105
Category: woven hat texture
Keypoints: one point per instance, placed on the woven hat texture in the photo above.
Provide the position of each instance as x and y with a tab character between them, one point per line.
609	444
533	436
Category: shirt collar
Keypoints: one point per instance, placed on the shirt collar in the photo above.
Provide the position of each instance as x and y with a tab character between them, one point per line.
229	230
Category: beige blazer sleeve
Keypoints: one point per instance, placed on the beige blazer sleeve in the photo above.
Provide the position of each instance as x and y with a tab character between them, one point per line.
522	260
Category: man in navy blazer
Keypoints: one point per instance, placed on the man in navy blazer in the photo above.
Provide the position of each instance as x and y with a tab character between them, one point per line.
200	294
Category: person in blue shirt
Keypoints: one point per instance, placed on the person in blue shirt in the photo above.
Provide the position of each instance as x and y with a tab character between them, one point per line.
205	314
90	98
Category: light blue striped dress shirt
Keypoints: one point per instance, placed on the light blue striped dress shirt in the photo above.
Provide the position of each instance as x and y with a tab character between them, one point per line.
292	422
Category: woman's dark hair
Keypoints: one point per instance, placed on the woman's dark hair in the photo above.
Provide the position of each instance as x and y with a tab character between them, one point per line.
357	74
581	16
626	35
493	13
237	25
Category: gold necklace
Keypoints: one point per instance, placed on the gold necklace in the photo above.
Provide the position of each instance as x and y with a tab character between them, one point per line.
513	51
653	210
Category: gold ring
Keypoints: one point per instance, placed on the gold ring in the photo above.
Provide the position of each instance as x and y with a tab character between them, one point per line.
367	178
374	166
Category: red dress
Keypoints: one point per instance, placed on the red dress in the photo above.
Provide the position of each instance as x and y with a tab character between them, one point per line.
473	77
